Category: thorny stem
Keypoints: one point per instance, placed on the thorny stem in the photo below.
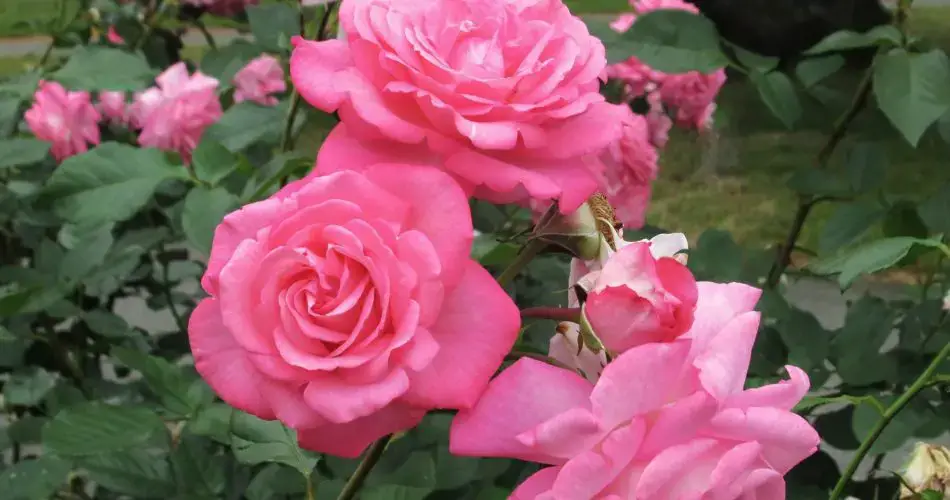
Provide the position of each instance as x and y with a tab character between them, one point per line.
922	382
366	465
805	202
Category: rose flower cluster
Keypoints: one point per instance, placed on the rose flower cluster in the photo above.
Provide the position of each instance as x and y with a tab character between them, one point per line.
347	305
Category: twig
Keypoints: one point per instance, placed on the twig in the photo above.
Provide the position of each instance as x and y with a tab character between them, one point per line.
555	313
355	482
532	249
167	292
209	39
922	382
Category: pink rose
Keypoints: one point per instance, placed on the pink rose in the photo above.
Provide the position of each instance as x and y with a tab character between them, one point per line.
346	306
631	167
112	106
174	114
256	82
67	119
113	36
665	421
692	95
502	95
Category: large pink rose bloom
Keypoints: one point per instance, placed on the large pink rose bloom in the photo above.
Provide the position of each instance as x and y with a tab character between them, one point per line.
504	95
346	306
665	421
259	79
64	118
174	114
631	167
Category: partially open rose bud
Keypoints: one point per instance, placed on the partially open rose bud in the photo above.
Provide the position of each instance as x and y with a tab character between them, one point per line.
576	232
928	469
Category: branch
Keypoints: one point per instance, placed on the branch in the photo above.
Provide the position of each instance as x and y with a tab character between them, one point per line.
355	482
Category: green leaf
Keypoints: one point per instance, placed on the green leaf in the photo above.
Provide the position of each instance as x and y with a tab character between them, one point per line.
99	428
276	481
27	388
848	223
204	209
21	152
867	167
902	427
811	402
716	257
931	495
488	251
88	253
813	71
913	90
806	340
413	479
754	62
103	68
21	86
213	421
856	346
109	183
271	23
199	472
778	93
902	220
256	441
819	182
138	473
933	211
618	47
106	324
247	123
27	430
9	118
225	62
34	479
167	381
676	41
865	259
212	162
880	36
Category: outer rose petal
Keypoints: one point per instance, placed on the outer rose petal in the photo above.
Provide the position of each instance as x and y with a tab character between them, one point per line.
522	397
784	395
717	304
786	438
350	439
472	342
628	386
223	363
725	362
342	151
436	198
536	485
313	66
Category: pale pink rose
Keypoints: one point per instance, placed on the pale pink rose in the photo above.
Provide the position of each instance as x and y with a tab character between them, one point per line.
256	82
222	7
631	167
66	119
347	305
502	95
665	421
692	97
174	114
565	346
638	298
112	106
113	36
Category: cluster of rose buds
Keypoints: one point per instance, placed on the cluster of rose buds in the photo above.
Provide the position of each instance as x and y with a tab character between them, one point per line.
171	116
347	305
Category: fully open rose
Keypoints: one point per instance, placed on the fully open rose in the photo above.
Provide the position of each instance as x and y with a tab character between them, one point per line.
665	421
347	305
502	95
